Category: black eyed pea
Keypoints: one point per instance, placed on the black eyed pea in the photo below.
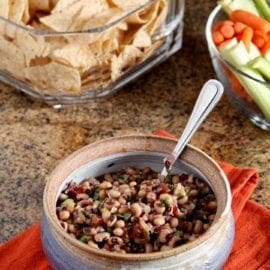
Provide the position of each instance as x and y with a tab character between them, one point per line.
151	196
193	237
112	193
105	185
175	179
102	236
133	184
92	244
182	200
174	222
146	171
123	209
159	220
123	187
119	223
198	226
136	209
105	215
82	196
118	232
173	241
115	240
212	205
112	220
63	196
130	171
108	177
122	199
72	228
102	194
193	193
148	248
64	225
163	235
142	193
64	215
159	207
190	179
165	247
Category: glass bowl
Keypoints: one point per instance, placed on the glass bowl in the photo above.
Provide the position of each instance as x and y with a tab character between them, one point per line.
63	61
228	73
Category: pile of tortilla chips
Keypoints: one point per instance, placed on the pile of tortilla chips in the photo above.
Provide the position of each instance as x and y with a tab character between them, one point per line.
56	53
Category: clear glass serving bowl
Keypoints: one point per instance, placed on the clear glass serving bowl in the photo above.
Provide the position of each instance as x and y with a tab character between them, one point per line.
224	70
69	67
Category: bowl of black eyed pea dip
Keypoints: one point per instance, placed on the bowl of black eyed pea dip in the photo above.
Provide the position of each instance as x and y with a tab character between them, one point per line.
105	207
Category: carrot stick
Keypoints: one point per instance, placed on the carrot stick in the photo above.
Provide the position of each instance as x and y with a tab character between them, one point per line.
258	41
250	19
266	47
227	31
247	36
217	37
219	24
261	34
239	27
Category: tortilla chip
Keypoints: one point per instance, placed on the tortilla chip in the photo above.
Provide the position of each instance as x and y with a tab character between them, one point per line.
128	58
11	57
72	15
53	3
31	46
17	9
160	16
128	5
142	39
40	5
26	14
54	77
75	55
4	8
61	22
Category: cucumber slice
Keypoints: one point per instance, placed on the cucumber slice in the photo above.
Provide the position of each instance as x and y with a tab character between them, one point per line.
262	66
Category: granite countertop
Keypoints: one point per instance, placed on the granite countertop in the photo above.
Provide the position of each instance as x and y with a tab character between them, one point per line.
34	137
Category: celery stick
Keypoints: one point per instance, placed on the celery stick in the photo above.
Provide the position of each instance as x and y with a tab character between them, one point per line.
267	56
262	66
258	92
264	8
236	55
231	5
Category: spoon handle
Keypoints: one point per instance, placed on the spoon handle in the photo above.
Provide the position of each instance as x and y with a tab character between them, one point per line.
207	100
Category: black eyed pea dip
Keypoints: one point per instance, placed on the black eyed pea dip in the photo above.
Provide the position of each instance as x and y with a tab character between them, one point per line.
132	211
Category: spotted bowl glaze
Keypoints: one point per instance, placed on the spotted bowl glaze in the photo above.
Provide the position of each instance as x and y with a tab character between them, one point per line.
209	251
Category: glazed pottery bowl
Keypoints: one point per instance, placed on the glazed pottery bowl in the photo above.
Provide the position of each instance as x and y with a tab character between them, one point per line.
208	251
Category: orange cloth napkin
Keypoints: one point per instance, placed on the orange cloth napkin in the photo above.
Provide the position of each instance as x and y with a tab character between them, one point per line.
251	248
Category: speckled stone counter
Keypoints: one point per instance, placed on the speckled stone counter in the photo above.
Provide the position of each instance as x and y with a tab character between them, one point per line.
35	137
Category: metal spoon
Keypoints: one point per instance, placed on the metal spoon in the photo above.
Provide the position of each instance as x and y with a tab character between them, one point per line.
209	96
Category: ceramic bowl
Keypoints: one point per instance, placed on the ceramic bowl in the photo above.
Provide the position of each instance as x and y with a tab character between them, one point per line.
208	251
